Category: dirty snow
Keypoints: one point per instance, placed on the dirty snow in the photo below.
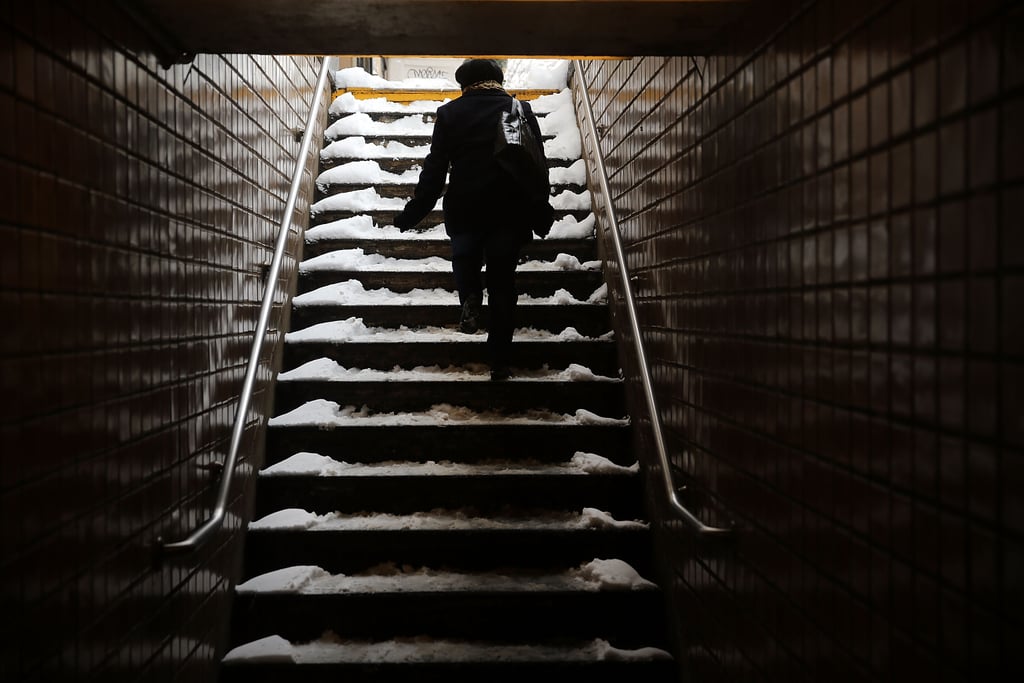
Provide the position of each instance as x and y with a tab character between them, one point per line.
328	414
314	464
330	648
593	576
295	519
325	369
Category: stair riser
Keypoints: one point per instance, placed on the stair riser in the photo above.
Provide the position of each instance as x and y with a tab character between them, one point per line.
616	494
463	672
603	398
387	217
628	619
599	356
462	443
348	552
589	320
535	250
580	283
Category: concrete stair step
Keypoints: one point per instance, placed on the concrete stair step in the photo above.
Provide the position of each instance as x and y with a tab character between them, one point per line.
539	283
617	493
463	442
502	606
588	319
597	354
535	250
474	547
601	397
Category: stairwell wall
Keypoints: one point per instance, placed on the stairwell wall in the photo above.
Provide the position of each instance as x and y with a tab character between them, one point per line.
139	208
824	223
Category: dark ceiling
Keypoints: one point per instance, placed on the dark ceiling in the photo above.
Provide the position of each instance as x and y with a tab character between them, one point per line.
438	27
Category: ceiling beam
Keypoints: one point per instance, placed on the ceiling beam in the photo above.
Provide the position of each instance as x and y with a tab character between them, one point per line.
441	27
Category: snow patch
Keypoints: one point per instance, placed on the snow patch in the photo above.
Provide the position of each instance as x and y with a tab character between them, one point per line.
576	174
363	124
313	464
357	259
357	77
366	171
287	580
614	575
358	200
358	148
363	227
269	649
568	200
570	228
346	103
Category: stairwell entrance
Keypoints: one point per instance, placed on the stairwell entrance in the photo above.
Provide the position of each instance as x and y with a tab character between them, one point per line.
415	520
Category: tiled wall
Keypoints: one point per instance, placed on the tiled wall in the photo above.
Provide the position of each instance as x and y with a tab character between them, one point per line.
138	207
825	225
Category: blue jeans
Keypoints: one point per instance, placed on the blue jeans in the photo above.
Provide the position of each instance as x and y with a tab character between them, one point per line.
499	249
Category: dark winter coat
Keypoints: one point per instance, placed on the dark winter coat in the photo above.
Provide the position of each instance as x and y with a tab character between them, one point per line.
481	195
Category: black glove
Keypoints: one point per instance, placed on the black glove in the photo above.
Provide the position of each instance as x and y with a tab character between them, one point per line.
402	222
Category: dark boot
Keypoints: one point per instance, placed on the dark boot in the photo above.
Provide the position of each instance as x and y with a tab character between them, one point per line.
470	320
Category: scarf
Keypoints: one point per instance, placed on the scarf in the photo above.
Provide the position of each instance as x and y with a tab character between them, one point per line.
485	85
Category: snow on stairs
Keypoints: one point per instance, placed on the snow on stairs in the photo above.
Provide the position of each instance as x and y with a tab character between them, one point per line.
416	521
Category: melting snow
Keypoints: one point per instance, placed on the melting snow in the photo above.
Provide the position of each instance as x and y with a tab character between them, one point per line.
561	262
313	464
330	648
294	519
328	414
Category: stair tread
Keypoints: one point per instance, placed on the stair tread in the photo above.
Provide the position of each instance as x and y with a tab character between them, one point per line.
446	520
330	650
320	466
599	575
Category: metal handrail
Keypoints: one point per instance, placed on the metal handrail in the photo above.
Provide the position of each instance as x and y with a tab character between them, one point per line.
204	531
695	525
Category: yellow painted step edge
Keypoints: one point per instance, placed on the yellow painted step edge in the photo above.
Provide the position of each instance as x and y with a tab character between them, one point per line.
413	95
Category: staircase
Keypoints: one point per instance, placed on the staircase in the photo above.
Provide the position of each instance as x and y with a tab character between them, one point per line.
416	521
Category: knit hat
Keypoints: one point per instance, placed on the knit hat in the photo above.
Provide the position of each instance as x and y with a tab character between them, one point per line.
477	70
